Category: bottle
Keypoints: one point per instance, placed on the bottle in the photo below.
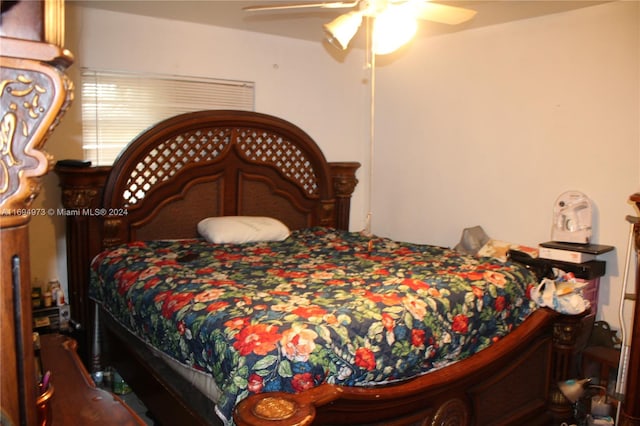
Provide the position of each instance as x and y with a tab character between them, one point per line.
46	295
120	387
47	299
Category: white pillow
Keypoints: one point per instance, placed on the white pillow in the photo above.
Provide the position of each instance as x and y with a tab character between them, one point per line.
242	229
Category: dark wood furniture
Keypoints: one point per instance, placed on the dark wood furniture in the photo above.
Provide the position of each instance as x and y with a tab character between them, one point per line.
605	359
230	162
76	400
34	93
81	191
630	409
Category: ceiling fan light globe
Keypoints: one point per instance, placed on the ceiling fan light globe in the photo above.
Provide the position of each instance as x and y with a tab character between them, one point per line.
392	29
341	30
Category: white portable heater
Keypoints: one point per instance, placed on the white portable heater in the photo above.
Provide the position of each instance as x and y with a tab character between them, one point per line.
572	218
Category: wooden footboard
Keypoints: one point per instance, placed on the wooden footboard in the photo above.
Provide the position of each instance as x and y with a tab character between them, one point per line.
513	382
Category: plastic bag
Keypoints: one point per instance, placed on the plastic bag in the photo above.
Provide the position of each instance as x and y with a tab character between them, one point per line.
546	294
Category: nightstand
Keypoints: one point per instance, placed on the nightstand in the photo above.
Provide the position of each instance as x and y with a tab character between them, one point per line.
581	260
76	400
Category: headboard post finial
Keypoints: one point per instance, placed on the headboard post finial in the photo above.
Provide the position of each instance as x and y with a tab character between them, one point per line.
344	183
344	178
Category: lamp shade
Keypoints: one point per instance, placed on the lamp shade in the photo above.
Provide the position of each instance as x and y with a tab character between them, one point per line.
393	28
573	389
341	30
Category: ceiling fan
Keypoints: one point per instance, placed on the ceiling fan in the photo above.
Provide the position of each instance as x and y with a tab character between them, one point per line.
394	21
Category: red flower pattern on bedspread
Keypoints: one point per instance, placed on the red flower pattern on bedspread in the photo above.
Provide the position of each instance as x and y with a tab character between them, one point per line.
460	324
259	339
317	307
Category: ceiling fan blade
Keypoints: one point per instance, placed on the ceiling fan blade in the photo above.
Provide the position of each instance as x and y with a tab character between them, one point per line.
326	5
444	14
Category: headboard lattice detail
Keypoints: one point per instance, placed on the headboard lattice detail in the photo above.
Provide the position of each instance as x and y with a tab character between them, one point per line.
163	162
205	145
271	148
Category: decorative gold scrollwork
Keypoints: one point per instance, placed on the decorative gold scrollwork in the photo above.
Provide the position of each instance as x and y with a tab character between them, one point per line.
453	412
327	214
78	198
565	333
344	186
112	230
7	159
22	108
344	178
33	96
275	408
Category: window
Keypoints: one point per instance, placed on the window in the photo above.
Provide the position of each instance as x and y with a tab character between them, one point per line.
116	107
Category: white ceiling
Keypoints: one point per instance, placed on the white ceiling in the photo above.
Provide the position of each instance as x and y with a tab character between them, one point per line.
307	24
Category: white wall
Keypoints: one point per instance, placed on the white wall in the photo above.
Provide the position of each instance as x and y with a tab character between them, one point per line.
487	127
481	127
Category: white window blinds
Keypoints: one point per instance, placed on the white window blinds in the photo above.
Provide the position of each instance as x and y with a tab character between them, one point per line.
116	107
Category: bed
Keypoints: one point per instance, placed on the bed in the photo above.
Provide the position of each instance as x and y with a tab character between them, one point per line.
234	163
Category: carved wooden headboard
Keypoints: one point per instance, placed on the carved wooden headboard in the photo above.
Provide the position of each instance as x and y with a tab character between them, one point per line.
222	163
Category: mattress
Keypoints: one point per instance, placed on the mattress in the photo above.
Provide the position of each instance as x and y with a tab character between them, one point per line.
321	306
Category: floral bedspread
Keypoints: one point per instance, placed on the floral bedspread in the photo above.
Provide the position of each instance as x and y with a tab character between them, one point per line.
321	306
